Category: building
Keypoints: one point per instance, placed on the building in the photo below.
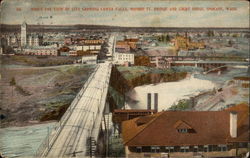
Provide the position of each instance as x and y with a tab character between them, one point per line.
123	58
41	51
92	42
13	40
72	53
23	34
34	40
184	43
242	81
188	133
89	59
68	40
125	45
92	48
122	47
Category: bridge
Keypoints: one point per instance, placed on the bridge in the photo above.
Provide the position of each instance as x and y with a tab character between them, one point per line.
196	58
82	120
76	134
208	65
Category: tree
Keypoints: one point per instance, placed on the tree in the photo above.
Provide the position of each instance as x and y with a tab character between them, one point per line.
230	43
12	83
210	33
167	38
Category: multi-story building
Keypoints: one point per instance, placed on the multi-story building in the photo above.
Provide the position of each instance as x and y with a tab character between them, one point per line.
126	44
42	51
34	40
91	48
184	43
188	133
123	58
122	47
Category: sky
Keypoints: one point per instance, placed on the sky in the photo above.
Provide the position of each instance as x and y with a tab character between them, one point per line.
17	11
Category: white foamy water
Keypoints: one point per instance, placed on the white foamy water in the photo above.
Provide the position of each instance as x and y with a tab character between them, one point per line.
22	141
169	92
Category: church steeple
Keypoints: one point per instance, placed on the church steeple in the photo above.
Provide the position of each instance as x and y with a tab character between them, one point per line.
23	34
24	24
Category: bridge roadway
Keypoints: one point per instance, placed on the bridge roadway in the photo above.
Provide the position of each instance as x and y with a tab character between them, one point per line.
84	118
212	62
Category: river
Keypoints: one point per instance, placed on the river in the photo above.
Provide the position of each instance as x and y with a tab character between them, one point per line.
170	93
22	141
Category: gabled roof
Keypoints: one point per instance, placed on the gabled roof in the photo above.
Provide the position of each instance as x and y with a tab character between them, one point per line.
182	125
209	127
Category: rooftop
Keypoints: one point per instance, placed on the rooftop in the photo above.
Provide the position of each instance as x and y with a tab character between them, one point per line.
205	127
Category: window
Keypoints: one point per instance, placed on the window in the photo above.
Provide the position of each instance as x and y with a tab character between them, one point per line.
205	148
139	149
242	145
169	149
182	130
184	149
195	148
200	148
222	147
155	149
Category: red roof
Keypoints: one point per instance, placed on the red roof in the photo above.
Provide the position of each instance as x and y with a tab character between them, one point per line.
207	127
132	110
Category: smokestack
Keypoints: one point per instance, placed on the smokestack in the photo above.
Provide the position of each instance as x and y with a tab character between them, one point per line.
156	102
233	124
149	101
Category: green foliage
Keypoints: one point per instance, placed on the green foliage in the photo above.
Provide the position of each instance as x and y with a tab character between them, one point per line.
230	43
164	38
183	104
210	33
168	38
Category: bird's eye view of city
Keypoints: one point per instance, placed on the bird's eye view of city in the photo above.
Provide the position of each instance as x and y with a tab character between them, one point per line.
124	78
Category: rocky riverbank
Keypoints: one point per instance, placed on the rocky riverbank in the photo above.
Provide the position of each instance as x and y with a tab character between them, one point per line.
124	79
35	94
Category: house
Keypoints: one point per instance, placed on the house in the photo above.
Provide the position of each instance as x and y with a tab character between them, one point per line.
188	133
